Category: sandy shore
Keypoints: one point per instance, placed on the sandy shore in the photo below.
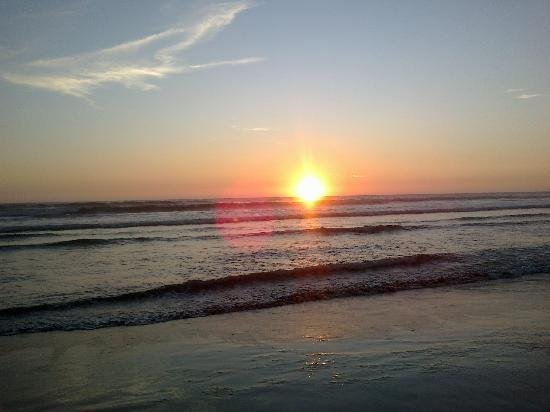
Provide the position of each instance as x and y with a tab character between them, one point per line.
483	347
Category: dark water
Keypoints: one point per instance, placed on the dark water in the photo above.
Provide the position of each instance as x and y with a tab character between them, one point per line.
88	265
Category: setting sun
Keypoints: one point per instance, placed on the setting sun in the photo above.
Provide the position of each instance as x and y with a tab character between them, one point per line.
309	189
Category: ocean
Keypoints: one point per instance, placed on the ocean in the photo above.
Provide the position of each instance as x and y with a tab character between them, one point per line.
77	266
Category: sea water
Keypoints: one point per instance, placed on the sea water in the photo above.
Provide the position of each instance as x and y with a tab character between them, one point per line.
69	266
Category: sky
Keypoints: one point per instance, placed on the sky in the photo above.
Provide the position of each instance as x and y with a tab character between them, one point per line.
139	99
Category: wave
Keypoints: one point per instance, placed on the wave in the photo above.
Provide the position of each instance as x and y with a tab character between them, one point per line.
275	276
20	236
507	216
174	206
321	230
506	223
93	242
124	207
374	229
62	243
78	243
330	231
242	219
199	298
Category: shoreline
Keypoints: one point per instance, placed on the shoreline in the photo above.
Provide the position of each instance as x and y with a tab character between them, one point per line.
481	345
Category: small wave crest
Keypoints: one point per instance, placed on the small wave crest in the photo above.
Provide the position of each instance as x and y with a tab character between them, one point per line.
260	218
20	236
60	244
93	242
505	216
331	231
80	243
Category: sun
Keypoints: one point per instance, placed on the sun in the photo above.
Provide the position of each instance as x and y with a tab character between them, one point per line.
309	189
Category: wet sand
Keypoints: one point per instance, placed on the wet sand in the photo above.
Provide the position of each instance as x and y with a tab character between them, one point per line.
479	346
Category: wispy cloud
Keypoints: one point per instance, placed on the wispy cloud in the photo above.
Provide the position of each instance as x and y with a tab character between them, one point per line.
7	53
512	91
518	94
251	129
527	96
133	64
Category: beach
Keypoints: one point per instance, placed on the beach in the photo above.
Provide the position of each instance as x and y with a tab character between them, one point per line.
481	346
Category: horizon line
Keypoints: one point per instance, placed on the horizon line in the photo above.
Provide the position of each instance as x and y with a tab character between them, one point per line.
191	197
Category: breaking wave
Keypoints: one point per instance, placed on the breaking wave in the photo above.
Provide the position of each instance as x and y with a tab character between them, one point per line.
195	286
198	298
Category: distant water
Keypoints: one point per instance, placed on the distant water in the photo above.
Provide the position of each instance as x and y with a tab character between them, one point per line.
66	266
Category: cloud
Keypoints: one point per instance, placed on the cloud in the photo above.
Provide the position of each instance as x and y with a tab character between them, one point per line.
134	64
8	53
512	91
517	94
247	60
251	129
527	96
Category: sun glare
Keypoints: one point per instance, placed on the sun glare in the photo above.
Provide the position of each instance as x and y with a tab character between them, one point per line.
309	189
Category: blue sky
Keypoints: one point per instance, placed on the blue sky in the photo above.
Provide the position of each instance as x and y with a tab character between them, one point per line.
136	99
